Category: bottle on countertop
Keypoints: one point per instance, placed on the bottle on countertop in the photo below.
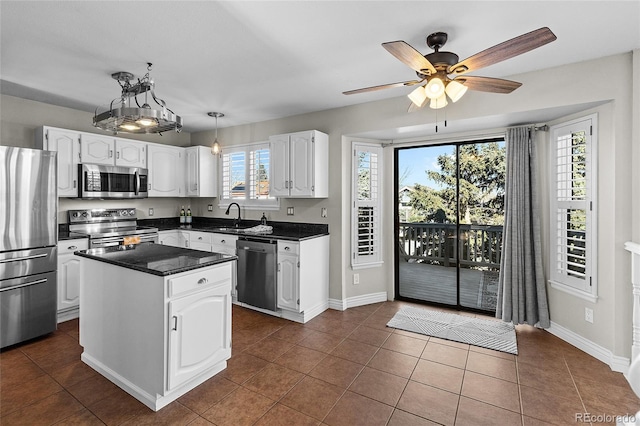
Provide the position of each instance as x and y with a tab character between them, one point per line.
182	216
188	217
263	219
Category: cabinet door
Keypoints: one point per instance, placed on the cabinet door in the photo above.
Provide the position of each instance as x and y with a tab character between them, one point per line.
301	164
200	333
69	272
279	167
199	245
131	153
97	149
193	169
173	238
166	171
287	281
67	144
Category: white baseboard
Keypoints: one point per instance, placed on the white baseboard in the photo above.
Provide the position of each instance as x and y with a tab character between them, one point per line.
352	302
616	363
68	314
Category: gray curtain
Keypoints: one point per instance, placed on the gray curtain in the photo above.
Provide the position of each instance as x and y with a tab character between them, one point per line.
522	295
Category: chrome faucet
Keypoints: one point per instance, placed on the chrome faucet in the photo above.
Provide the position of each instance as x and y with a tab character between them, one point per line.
236	222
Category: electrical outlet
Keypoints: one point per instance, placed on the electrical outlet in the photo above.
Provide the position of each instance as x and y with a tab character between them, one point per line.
210	207
150	211
289	211
323	212
356	279
588	315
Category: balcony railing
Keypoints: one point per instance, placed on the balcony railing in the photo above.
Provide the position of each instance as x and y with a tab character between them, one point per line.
436	244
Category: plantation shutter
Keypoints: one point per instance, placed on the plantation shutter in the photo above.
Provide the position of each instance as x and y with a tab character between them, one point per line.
233	173
259	172
572	193
366	221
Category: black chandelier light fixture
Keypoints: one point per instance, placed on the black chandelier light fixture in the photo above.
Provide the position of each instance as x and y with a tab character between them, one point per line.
125	113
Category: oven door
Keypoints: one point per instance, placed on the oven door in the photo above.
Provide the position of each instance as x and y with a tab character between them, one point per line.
119	240
108	182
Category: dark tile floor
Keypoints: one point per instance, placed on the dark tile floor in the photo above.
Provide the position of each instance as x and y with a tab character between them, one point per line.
341	368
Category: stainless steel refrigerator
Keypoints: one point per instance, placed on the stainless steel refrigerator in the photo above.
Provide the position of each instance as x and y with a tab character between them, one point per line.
28	237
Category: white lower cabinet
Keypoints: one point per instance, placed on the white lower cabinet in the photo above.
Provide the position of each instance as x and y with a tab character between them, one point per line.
195	345
303	277
68	277
174	238
156	337
200	240
288	275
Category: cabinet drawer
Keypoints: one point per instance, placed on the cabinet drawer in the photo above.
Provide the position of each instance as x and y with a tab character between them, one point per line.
199	279
288	247
200	237
225	240
70	246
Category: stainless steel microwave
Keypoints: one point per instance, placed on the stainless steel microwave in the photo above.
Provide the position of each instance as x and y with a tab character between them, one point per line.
105	182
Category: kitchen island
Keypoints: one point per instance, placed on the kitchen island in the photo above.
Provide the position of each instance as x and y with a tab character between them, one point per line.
156	320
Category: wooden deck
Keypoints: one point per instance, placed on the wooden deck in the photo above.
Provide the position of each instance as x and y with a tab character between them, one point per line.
434	283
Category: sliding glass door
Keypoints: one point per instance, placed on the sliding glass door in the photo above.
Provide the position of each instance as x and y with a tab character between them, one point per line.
449	217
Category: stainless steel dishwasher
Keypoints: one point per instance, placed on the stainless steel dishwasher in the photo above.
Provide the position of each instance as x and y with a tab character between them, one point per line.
257	264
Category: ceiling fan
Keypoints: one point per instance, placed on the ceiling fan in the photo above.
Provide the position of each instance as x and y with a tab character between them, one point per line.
441	75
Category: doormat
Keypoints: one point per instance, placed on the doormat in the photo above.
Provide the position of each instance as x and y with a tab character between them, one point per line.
496	335
488	290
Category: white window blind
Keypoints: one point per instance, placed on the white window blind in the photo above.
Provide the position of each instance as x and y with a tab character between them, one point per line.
573	230
366	217
245	176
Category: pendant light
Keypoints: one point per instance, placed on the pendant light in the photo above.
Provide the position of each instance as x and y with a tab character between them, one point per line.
216	148
131	117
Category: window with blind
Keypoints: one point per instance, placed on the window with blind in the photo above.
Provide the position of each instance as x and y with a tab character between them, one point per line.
367	208
572	224
245	176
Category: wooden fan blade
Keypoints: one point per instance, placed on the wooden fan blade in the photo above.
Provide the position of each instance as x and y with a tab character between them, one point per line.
488	84
410	56
382	86
505	50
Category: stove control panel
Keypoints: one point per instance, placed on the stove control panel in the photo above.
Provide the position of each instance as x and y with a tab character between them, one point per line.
100	215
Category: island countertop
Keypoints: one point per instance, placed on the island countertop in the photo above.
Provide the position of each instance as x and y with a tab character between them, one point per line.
156	259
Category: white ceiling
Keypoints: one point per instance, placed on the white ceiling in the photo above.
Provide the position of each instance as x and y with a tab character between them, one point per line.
257	61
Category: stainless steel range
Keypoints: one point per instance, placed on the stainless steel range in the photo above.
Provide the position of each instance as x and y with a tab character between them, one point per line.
109	227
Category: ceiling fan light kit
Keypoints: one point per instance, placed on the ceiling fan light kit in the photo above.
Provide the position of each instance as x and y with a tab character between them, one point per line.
130	116
433	69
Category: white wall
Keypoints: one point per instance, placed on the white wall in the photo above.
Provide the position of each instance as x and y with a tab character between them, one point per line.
546	90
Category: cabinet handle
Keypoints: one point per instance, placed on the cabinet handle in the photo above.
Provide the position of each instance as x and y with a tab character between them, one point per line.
72	247
175	323
278	267
286	184
74	184
287	248
200	238
202	281
196	186
290	184
110	153
222	241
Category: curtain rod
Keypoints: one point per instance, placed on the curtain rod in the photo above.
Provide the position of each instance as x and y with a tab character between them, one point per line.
490	133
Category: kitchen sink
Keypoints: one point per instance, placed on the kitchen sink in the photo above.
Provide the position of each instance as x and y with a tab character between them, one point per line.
238	230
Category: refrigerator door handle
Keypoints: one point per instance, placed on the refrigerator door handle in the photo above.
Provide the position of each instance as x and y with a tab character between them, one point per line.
18	259
14	287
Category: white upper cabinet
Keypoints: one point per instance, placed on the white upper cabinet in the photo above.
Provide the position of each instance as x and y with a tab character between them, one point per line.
299	165
110	151
97	149
201	176
166	171
131	153
67	144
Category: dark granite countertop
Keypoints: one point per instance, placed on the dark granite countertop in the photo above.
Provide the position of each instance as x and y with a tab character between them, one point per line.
281	230
156	259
